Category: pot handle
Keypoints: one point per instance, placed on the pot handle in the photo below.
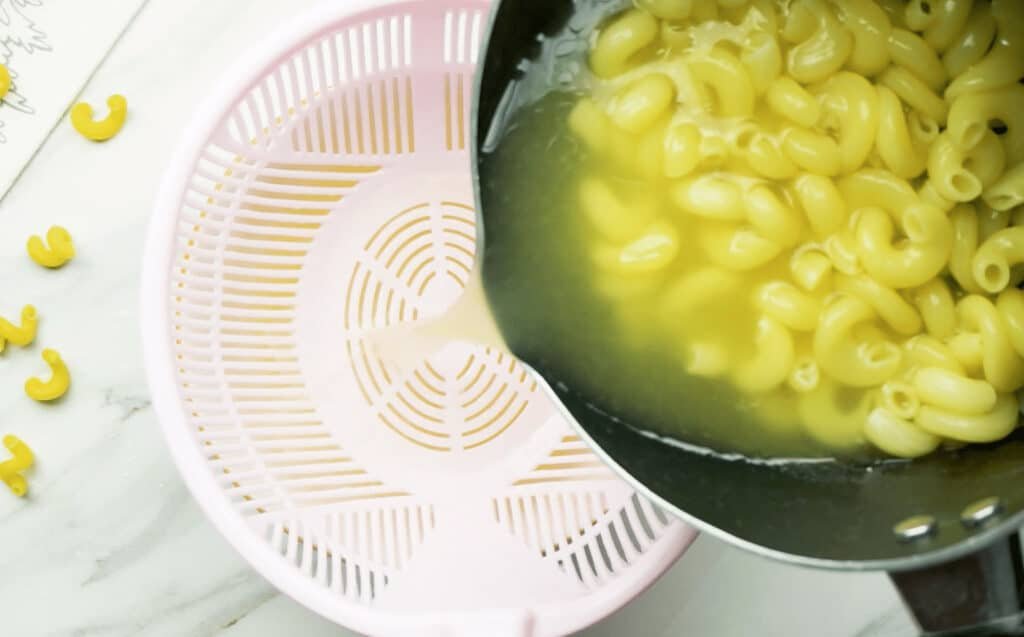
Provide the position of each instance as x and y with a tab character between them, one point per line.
981	594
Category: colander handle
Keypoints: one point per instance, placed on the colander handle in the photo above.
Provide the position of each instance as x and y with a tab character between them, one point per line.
980	595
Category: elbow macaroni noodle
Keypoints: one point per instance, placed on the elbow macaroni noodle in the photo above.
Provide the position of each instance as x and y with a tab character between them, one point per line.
1003	64
971	45
104	129
938	311
11	470
5	81
20	335
870	28
1008	192
909	50
850	175
60	250
58	384
900	398
897	148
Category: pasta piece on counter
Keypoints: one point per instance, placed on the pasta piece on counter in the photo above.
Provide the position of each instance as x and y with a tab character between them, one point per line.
104	129
11	470
20	335
58	383
5	81
60	250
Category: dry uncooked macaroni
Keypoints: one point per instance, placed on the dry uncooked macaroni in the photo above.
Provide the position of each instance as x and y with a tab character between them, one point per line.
20	335
60	250
5	81
11	470
850	176
104	129
56	386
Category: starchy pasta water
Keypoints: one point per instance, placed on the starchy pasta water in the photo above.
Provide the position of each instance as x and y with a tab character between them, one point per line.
779	226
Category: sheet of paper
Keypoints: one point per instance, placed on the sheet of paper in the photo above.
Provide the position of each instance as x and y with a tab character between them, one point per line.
51	48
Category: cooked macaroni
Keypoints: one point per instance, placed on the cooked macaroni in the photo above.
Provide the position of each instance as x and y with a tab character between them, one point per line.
853	173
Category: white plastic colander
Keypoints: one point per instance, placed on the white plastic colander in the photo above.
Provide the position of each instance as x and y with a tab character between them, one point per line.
324	194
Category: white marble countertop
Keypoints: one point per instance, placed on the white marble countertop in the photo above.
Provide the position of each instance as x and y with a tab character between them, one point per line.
110	543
